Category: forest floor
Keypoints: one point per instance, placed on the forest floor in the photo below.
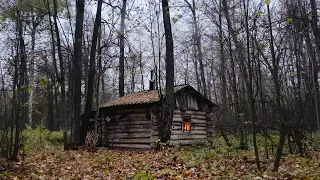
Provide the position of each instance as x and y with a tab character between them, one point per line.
167	163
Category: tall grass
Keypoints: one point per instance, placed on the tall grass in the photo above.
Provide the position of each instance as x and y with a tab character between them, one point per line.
40	138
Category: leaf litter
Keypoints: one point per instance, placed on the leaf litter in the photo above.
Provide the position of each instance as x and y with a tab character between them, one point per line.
168	163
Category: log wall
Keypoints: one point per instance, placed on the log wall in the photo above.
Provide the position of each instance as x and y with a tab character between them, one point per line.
210	126
132	131
198	132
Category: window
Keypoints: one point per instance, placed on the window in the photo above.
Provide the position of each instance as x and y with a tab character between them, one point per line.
186	124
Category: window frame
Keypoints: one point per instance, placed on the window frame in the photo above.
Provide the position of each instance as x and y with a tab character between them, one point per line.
184	119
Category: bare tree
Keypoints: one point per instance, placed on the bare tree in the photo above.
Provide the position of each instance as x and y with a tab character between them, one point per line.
121	37
92	73
165	123
77	71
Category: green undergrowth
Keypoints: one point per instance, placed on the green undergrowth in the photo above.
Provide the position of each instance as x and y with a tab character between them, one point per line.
314	141
203	155
40	138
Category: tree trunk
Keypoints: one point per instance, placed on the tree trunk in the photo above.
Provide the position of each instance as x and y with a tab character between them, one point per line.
50	107
21	88
15	112
222	71
56	125
275	76
77	71
250	89
165	126
31	75
61	79
121	36
92	73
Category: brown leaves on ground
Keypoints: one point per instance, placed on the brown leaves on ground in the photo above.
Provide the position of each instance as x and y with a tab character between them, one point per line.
169	163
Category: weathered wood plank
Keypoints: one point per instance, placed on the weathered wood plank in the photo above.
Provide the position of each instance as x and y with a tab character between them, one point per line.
130	122
129	130
176	127
155	134
188	136
177	123
186	142
177	119
198	125
130	141
141	116
198	117
193	132
127	127
210	130
198	128
123	111
132	146
128	135
176	115
194	126
190	112
132	119
200	121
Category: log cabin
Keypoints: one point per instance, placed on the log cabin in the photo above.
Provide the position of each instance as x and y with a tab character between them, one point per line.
132	121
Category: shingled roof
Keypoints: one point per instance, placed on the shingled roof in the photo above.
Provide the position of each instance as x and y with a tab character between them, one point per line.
143	97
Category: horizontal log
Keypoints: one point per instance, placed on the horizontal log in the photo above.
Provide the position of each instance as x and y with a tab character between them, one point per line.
128	118
123	111
128	135
130	122
198	128
210	130
177	123
176	127
144	115
193	127
155	137
194	116
193	120
193	132
209	122
177	116
198	125
200	121
143	126
130	141
188	136
186	142
132	146
129	130
155	133
176	119
190	112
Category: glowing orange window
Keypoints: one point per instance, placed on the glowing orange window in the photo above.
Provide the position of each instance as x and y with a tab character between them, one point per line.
186	124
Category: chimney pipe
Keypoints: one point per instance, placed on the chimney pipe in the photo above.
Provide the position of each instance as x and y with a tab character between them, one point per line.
151	82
